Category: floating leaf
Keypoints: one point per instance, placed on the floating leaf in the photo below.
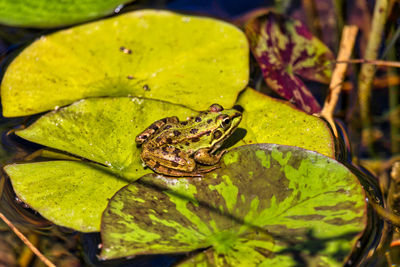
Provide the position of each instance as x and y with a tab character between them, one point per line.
267	204
68	193
103	130
187	60
287	51
268	120
48	13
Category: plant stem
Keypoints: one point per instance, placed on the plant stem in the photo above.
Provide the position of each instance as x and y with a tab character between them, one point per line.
346	47
368	71
394	109
27	242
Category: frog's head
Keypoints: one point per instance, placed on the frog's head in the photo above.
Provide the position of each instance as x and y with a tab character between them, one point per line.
225	123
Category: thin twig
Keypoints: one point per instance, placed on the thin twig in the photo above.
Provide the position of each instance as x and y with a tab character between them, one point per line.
26	241
376	62
346	47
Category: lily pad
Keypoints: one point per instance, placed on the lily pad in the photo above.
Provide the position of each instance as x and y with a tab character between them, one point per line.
49	13
267	204
286	51
103	130
188	60
68	193
269	120
75	193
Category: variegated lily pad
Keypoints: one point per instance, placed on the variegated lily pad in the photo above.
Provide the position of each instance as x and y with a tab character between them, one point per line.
286	52
267	205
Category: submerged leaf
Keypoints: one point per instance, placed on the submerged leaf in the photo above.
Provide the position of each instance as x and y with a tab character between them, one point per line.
187	60
50	13
287	51
267	204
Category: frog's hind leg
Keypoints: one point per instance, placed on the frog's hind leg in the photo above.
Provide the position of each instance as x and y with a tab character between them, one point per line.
172	161
158	168
153	128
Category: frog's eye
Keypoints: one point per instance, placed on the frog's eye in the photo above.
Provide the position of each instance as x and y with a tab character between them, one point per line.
215	108
226	122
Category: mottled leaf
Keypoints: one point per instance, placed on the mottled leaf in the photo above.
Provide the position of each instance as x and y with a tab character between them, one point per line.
267	205
269	120
187	60
50	13
286	51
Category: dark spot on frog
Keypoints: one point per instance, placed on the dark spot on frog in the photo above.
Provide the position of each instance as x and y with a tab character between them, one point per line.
167	127
157	165
187	144
177	133
174	164
146	87
184	123
208	133
194	130
164	149
154	127
198	119
177	151
195	139
158	139
209	121
169	140
217	134
164	120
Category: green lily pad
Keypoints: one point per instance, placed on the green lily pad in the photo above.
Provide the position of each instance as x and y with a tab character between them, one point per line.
68	193
269	120
103	130
267	204
49	13
187	60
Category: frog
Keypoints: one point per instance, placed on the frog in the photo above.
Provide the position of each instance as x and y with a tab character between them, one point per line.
188	148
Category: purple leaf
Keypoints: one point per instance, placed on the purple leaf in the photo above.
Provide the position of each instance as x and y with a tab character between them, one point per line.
286	51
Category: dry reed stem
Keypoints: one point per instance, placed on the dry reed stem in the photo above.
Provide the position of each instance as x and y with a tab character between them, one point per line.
27	242
349	34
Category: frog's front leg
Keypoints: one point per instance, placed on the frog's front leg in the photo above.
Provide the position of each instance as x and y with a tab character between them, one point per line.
204	156
153	128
